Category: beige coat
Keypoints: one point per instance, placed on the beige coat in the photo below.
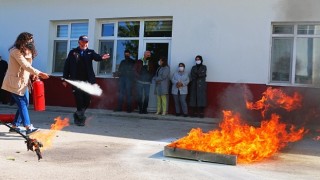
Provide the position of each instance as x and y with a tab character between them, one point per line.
18	74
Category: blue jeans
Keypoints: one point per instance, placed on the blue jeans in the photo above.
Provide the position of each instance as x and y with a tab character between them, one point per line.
22	114
125	91
143	96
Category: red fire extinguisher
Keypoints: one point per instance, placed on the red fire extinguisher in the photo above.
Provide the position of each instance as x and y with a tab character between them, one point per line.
38	95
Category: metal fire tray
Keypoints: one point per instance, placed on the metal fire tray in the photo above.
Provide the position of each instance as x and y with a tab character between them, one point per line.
200	156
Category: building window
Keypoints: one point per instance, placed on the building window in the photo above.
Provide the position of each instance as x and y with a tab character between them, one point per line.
119	35
158	29
295	54
66	38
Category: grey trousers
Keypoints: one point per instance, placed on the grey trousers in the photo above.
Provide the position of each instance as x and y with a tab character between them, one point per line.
180	99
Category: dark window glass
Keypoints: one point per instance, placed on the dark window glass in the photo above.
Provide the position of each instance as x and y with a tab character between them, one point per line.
122	45
106	47
282	29
60	54
128	29
158	29
282	49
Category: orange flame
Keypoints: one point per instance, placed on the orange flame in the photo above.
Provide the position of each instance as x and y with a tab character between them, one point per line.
275	98
249	143
46	137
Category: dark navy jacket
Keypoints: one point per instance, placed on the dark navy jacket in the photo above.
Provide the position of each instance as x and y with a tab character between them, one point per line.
75	57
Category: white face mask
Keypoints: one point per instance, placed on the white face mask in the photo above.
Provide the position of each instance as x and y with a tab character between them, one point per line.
181	69
159	63
198	62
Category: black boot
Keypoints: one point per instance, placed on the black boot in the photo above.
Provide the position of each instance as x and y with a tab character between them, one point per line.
75	119
79	118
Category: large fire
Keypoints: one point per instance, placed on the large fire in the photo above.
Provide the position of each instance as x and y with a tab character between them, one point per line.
275	98
46	137
249	143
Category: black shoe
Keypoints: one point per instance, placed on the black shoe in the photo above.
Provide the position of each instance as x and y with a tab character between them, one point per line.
117	110
145	112
75	119
14	130
178	114
82	120
81	123
201	115
185	115
193	115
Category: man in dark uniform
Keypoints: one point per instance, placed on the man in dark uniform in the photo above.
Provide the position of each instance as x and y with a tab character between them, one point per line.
126	78
78	66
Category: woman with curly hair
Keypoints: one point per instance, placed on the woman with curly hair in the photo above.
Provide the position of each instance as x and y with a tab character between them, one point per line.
17	78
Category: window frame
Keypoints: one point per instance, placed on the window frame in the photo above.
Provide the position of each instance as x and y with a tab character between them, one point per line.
55	39
295	36
115	38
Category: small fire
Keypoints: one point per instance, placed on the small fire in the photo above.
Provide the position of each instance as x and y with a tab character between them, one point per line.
249	143
275	98
46	137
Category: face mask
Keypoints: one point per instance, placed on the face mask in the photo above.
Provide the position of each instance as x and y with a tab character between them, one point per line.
181	69
198	62
30	46
159	63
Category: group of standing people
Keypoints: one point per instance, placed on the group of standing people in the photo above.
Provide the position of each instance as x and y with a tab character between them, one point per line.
198	89
144	71
78	66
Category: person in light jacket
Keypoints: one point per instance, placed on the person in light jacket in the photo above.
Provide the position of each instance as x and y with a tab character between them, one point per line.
17	79
198	89
162	80
180	81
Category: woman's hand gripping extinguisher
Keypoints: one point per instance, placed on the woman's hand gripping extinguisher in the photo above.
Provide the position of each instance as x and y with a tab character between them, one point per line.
38	95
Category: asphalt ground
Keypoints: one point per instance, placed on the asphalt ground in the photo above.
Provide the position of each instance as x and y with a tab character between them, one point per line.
120	145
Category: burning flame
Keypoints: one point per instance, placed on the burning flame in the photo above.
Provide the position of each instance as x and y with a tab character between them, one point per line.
275	98
46	137
249	143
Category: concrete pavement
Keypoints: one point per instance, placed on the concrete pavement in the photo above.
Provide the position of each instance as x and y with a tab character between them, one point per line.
123	145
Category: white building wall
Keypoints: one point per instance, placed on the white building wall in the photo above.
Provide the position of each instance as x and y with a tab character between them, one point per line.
232	36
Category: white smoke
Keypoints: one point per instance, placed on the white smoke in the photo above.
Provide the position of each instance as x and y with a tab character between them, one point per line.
93	89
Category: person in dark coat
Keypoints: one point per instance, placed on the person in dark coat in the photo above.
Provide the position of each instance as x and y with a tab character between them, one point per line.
78	66
3	70
145	69
126	80
198	88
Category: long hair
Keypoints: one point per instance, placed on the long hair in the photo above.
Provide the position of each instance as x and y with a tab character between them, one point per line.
164	60
23	42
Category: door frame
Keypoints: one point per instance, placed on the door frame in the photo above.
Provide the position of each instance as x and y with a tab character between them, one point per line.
157	41
152	107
